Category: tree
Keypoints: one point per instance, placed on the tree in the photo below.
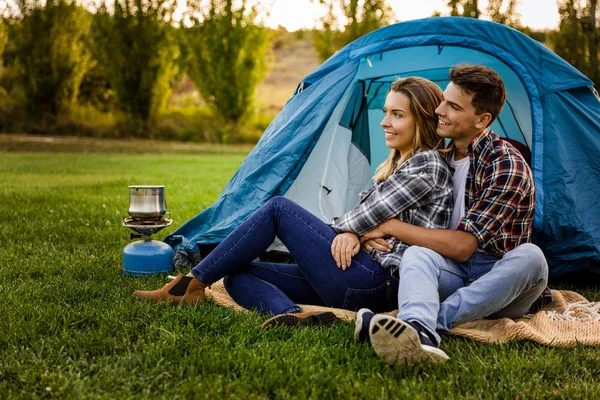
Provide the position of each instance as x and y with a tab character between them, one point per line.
575	41
464	8
592	32
228	56
361	18
3	40
51	53
137	49
509	16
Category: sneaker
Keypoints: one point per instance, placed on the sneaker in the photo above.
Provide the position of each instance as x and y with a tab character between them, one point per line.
398	342
361	330
307	318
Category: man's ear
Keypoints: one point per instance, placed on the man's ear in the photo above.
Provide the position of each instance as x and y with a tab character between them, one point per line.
483	120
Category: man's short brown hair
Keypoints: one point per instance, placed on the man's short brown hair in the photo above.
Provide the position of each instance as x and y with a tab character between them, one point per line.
486	86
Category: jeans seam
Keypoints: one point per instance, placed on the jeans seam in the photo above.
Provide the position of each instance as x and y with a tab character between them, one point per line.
282	273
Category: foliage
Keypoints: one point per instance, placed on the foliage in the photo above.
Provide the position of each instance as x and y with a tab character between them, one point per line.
70	329
590	25
51	53
507	16
573	39
5	101
464	8
228	54
137	49
361	18
95	89
3	40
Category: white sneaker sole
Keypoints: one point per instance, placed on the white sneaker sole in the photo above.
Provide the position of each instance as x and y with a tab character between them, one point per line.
398	343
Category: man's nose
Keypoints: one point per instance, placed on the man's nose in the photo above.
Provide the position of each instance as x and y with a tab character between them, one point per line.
439	110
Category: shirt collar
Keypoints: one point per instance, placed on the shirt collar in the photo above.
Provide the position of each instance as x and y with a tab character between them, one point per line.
478	143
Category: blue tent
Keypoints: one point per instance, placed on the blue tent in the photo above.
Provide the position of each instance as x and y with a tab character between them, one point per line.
322	148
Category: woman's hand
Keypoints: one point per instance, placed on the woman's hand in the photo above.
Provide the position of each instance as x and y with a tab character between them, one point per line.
343	248
378	244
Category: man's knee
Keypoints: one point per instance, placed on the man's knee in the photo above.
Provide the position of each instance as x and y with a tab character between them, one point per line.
532	262
420	257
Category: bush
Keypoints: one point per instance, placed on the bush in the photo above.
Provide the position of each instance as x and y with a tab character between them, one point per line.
227	55
51	54
137	50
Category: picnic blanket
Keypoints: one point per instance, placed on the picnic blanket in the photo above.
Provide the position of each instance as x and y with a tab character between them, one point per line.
569	320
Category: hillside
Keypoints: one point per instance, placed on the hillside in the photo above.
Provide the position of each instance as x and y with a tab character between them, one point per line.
294	57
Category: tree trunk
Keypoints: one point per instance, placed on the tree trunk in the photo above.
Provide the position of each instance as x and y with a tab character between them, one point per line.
592	43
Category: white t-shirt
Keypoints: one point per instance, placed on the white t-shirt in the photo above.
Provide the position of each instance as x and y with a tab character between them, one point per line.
459	182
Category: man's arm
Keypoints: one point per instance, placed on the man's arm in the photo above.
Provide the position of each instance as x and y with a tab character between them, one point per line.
410	187
456	245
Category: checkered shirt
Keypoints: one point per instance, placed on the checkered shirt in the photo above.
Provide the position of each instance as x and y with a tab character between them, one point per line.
499	195
419	193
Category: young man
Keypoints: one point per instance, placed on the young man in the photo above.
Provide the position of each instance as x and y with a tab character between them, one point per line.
484	265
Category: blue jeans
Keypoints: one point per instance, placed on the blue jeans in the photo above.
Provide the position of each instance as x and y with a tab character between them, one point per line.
439	293
315	279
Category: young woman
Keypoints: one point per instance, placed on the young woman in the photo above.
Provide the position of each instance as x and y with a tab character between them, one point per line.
414	185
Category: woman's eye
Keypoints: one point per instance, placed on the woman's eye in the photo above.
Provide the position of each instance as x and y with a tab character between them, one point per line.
397	115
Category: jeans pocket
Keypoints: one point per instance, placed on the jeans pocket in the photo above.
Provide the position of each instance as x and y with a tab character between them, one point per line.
379	299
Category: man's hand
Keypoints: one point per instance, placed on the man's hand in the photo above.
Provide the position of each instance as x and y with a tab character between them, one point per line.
377	233
343	248
378	244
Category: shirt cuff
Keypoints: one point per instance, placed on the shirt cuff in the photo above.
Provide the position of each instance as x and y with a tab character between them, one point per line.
483	235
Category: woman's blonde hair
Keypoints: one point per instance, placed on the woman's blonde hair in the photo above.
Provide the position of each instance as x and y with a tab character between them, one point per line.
424	96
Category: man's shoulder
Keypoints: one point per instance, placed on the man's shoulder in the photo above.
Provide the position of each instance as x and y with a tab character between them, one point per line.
498	150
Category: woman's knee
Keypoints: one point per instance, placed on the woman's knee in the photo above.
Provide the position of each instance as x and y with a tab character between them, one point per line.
277	201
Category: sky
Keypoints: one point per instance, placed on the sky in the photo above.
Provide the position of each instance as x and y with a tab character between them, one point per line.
298	14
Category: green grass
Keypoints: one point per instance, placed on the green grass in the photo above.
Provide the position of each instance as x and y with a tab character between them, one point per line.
70	329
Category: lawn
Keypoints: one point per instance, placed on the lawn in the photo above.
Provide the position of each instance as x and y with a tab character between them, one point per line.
70	328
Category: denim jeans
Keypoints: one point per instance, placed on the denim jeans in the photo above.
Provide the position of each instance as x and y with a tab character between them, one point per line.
439	293
315	279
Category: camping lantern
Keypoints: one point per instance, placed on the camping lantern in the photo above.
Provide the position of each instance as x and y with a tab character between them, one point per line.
147	210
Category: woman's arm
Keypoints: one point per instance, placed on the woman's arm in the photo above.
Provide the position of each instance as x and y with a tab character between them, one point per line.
406	188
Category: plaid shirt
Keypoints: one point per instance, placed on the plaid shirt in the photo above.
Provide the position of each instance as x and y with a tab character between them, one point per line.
499	195
419	192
